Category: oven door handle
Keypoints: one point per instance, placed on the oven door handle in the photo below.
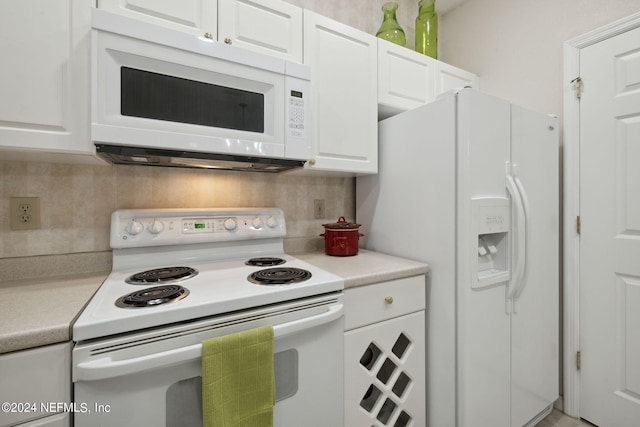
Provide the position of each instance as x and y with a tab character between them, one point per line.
106	367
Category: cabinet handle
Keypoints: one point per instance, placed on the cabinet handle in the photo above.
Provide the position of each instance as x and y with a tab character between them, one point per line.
208	36
228	41
312	162
388	300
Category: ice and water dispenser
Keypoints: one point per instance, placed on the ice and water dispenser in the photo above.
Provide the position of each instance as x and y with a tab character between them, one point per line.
492	223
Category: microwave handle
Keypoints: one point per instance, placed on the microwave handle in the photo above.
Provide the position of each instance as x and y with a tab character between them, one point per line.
107	368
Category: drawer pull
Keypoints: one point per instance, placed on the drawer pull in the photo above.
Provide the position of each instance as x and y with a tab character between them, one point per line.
388	300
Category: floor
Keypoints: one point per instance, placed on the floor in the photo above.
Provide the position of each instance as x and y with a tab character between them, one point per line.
558	419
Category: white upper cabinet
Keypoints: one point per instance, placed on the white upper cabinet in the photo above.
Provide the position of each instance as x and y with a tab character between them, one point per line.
273	27
344	83
267	26
198	17
44	80
449	77
406	79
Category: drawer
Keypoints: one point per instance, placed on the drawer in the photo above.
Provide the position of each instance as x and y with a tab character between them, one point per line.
38	380
365	305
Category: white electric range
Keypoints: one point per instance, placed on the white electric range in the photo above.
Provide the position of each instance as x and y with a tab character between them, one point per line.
181	276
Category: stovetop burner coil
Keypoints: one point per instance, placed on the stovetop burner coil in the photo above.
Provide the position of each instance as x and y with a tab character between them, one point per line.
162	276
279	276
151	297
265	261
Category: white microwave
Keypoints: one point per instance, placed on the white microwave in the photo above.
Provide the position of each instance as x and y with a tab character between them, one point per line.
165	98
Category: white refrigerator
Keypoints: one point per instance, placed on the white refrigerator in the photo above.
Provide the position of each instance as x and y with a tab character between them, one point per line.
470	185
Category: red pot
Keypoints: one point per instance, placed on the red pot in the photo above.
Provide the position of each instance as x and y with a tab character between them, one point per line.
341	238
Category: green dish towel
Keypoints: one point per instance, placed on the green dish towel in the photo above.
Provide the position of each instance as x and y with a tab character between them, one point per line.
238	385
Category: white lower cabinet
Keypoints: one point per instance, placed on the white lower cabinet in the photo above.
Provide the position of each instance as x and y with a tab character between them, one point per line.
385	354
35	387
58	420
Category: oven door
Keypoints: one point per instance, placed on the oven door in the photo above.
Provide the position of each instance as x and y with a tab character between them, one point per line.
154	378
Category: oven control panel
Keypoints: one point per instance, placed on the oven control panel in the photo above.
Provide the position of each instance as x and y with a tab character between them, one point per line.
146	227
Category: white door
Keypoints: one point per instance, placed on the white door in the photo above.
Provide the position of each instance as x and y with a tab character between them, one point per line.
610	239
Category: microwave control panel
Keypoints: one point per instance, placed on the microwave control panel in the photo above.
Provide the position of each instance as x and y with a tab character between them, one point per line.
297	117
296	113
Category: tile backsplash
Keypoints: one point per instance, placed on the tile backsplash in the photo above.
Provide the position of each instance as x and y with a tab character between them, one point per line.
77	201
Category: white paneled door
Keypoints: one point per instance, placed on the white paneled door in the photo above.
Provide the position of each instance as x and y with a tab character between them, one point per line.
610	238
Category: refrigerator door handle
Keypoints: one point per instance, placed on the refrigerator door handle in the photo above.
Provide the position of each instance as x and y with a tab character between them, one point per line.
518	239
525	206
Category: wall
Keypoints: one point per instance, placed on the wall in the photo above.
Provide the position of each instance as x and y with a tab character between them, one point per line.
77	200
516	47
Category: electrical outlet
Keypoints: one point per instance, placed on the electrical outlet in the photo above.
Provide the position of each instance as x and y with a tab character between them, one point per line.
25	213
318	209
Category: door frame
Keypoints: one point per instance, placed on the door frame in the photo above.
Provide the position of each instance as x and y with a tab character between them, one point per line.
571	203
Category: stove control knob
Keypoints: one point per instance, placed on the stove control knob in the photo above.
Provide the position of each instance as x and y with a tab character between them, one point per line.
156	227
257	223
134	227
272	222
230	224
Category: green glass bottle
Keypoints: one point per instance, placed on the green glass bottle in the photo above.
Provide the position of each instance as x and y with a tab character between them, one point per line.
427	28
390	29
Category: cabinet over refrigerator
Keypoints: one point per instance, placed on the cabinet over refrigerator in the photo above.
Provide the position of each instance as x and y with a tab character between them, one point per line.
470	183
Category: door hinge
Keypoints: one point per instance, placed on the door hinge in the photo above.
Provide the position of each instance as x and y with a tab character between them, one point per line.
577	86
578	225
578	360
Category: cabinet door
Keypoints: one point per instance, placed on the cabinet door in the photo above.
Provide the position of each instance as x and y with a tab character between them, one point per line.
448	77
59	420
44	80
344	81
39	377
194	16
385	373
273	27
405	79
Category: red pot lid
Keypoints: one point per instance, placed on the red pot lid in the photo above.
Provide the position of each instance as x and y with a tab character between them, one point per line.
342	224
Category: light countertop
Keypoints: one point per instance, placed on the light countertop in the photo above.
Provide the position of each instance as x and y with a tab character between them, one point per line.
40	312
34	313
366	268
